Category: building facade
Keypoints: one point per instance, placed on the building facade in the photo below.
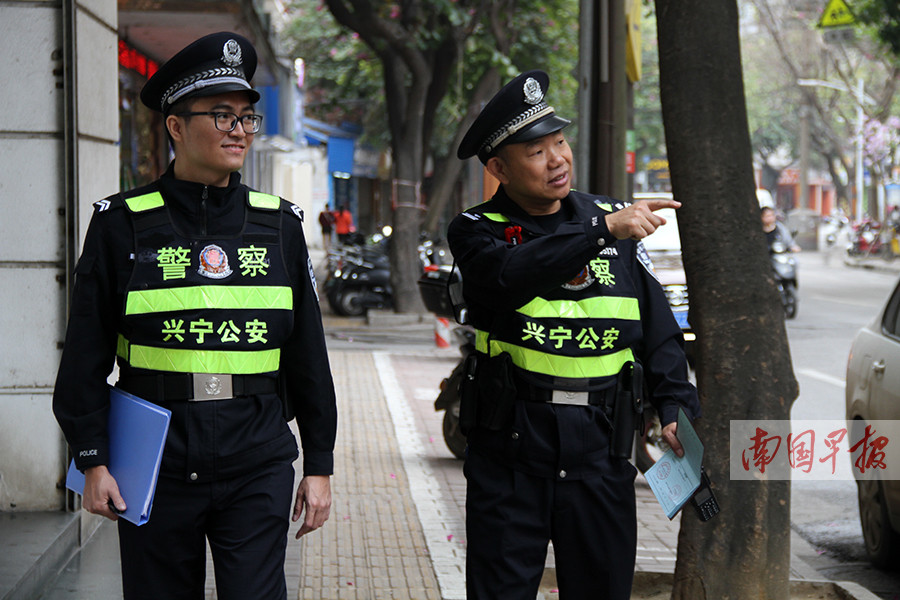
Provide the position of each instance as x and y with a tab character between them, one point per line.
76	133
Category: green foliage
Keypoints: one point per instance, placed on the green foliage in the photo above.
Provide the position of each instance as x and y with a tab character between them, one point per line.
344	81
650	141
884	17
771	95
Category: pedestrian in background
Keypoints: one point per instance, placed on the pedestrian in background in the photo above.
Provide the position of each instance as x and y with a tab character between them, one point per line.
566	309
202	289
326	222
343	224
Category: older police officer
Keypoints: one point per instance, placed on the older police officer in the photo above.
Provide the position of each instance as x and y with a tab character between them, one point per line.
567	310
202	289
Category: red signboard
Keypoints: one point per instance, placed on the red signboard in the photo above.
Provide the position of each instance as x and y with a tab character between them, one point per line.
129	58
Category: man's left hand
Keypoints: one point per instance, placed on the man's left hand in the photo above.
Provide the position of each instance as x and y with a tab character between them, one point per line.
669	437
313	495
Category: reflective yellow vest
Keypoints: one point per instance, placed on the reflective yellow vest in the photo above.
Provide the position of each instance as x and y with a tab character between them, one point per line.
206	306
579	335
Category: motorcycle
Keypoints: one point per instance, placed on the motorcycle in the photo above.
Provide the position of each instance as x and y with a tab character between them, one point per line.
785	267
865	239
434	288
834	226
359	275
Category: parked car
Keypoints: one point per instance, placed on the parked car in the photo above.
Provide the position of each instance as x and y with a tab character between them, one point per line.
873	393
664	248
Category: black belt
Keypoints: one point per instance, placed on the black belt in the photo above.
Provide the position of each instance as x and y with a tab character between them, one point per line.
197	387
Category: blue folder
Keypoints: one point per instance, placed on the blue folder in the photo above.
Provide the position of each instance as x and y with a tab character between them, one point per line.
137	435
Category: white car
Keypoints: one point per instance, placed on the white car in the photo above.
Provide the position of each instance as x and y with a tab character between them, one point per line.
664	248
873	393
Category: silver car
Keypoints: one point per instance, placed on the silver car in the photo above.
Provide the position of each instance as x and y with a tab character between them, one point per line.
873	393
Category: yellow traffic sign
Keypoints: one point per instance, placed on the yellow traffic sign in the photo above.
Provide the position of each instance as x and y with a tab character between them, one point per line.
837	14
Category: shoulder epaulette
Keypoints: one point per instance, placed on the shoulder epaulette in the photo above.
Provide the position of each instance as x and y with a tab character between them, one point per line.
131	199
263	201
144	202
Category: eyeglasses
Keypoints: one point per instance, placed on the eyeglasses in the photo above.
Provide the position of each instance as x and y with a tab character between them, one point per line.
226	122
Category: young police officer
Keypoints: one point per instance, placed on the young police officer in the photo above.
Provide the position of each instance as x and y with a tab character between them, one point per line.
566	309
202	289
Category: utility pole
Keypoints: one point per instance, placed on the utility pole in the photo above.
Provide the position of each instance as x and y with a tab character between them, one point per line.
859	95
804	155
602	98
861	203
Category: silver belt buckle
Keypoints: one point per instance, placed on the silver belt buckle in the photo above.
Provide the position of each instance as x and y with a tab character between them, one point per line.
211	386
567	397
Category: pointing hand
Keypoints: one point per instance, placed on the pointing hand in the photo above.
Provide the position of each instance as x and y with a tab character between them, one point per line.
638	220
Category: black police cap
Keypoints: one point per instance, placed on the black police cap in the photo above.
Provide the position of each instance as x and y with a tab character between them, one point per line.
517	113
215	64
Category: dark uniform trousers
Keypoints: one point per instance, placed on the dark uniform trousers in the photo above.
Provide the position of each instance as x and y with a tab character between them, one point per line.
592	522
246	520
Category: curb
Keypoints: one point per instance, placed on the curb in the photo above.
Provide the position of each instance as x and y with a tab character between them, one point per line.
646	582
879	265
49	540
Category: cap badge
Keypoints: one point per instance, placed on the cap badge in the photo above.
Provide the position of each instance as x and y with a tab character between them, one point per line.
533	92
231	53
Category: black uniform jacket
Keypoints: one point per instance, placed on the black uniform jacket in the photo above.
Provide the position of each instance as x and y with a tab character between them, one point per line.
558	440
207	440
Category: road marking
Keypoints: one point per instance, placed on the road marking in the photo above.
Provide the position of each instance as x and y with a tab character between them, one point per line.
447	556
812	373
862	303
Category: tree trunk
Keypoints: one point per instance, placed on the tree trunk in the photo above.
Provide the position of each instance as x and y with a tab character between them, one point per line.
407	222
445	179
744	366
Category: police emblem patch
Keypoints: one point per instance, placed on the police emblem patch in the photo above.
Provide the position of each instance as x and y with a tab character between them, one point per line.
214	263
533	92
581	281
231	53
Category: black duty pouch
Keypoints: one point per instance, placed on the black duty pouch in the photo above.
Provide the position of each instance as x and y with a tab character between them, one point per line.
496	392
628	411
468	394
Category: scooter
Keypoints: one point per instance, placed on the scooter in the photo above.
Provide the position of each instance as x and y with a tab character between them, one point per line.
448	398
435	289
784	265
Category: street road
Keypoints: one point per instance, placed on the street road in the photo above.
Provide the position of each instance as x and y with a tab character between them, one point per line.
835	301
